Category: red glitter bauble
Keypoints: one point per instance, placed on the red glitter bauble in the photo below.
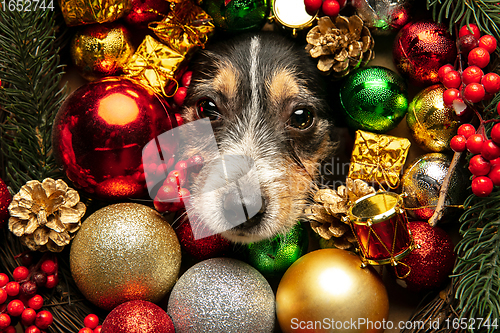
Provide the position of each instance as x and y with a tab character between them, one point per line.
420	49
100	132
5	199
431	263
203	248
138	317
145	11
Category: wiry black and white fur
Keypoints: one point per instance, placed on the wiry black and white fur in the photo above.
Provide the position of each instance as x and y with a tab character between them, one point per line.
256	89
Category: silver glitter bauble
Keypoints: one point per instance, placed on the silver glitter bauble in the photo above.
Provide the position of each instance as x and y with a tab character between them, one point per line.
222	295
383	16
125	252
422	182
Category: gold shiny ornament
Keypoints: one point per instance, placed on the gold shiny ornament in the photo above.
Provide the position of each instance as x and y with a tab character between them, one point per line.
185	29
341	46
46	215
125	252
101	50
329	208
431	123
80	12
328	288
378	158
292	15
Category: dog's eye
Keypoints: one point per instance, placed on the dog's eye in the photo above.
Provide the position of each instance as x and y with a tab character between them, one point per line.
301	119
208	109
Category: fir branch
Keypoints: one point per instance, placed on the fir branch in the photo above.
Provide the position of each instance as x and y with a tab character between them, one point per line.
484	13
30	72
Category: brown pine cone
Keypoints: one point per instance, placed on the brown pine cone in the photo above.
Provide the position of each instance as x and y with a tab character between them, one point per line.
341	46
329	208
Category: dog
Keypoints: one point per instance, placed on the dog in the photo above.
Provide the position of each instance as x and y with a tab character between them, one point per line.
267	106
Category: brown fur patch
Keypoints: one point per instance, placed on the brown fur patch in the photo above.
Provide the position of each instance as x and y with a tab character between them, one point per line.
282	85
227	80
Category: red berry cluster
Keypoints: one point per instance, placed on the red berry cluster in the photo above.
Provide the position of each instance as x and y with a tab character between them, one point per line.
16	305
485	165
181	92
470	84
328	7
172	195
91	323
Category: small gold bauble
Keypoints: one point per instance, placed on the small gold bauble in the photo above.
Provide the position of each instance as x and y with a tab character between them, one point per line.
431	123
125	252
327	290
101	50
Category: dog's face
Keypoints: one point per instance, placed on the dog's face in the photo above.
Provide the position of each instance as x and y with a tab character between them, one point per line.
266	104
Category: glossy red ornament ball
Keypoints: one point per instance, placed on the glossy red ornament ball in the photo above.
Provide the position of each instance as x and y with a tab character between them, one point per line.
466	130
475	143
203	248
449	95
452	79
472	74
5	200
472	29
330	8
430	264
91	321
489	43
478	57
482	186
494	175
457	143
479	166
421	48
312	6
490	150
138	317
145	11
100	132
474	92
491	83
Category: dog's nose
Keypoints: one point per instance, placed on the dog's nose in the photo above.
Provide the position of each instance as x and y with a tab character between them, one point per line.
242	210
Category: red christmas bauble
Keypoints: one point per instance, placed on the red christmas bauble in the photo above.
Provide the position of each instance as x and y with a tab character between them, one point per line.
138	317
5	199
145	11
100	132
430	264
420	49
203	248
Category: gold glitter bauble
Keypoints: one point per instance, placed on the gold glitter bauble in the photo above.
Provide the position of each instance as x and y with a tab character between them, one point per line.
101	50
330	287
431	123
125	252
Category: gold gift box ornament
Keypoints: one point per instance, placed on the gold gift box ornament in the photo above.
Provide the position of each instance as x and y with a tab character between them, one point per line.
378	158
80	12
156	64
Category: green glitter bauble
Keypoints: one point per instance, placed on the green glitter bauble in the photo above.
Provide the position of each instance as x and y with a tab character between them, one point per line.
374	99
238	15
273	257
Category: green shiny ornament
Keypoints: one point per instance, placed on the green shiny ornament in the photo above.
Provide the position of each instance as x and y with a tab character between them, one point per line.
374	99
273	257
238	15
